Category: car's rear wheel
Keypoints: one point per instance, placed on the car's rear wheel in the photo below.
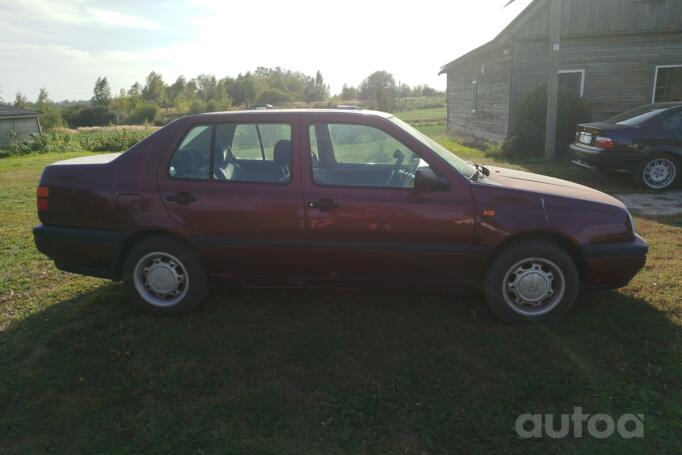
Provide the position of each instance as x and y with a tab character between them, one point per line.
163	276
531	281
657	172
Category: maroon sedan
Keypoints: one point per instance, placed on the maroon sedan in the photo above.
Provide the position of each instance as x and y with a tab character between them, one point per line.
328	198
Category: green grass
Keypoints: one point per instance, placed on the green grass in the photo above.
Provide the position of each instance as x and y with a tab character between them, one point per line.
306	371
436	113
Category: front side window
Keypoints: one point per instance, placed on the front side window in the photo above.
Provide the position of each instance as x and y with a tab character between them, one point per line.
359	155
668	85
242	152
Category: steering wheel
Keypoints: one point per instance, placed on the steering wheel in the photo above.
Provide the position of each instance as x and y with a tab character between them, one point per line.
400	157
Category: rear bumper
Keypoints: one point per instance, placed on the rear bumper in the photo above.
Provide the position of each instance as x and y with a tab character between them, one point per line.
93	252
613	265
596	158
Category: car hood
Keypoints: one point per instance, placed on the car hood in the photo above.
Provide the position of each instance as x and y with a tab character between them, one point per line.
542	184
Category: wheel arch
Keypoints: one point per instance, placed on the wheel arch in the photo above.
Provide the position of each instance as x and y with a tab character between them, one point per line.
139	236
561	240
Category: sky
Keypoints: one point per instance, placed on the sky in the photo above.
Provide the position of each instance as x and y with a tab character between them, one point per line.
65	45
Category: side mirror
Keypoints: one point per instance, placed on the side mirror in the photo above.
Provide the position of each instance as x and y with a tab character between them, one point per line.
427	180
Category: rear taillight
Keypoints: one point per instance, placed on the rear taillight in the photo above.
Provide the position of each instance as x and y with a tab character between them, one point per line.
42	194
604	142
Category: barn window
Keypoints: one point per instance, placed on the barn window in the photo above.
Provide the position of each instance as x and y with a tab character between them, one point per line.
474	96
668	84
573	80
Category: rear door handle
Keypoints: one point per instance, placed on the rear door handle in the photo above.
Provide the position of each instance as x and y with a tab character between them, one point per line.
182	198
324	204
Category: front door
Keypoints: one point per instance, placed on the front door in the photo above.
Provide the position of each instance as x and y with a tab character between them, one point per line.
365	221
236	187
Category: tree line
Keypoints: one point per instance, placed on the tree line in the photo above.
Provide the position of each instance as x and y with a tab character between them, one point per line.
156	101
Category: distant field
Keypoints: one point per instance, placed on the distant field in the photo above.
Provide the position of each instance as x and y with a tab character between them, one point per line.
434	114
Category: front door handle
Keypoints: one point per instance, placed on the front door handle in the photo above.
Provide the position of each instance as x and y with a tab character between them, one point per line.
182	198
324	204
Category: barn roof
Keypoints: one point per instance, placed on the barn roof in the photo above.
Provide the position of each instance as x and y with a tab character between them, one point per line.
518	20
7	111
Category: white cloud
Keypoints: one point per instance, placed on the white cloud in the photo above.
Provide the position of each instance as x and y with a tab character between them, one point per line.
117	19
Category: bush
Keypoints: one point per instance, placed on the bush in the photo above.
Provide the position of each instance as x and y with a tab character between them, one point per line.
145	113
88	116
274	96
107	141
50	119
527	132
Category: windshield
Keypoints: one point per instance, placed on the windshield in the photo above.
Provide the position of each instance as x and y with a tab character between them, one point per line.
461	166
637	116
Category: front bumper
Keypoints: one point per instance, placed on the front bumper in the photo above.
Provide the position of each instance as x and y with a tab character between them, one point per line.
93	252
597	158
613	265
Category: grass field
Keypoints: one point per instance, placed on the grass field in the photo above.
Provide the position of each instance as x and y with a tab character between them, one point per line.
285	372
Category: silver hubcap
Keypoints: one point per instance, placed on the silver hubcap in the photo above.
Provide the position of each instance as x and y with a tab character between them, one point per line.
659	173
161	279
533	286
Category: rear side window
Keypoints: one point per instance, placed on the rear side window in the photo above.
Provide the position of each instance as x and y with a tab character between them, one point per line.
242	152
252	152
192	159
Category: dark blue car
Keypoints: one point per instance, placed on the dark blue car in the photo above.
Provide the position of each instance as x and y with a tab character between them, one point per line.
646	141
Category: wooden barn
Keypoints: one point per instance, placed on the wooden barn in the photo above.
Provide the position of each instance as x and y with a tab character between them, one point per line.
616	54
17	124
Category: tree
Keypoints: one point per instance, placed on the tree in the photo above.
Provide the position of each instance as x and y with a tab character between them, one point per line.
349	93
43	98
154	90
135	90
20	100
101	92
243	90
379	91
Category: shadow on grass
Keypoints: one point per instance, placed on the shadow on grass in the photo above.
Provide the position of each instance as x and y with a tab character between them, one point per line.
330	372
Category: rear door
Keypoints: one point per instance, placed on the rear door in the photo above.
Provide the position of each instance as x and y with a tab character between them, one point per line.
364	219
236	186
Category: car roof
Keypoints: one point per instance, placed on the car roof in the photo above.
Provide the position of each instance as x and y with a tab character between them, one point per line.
285	112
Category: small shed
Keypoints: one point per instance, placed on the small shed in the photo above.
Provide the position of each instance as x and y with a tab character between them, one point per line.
17	124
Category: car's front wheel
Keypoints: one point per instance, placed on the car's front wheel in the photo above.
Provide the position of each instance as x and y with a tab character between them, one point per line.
531	281
163	276
657	172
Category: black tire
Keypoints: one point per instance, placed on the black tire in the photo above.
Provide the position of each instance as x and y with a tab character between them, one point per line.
522	258
640	175
178	271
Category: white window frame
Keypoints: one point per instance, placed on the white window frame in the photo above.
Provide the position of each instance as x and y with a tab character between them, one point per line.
653	94
474	96
582	78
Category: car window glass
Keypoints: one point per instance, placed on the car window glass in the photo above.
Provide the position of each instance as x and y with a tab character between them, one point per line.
250	152
191	159
637	116
271	134
674	122
246	145
361	155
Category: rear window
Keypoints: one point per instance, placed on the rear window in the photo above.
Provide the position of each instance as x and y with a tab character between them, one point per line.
637	116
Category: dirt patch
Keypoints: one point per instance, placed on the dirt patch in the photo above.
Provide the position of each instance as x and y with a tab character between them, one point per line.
663	204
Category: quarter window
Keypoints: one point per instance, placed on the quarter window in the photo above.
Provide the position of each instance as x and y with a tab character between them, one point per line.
358	155
192	159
